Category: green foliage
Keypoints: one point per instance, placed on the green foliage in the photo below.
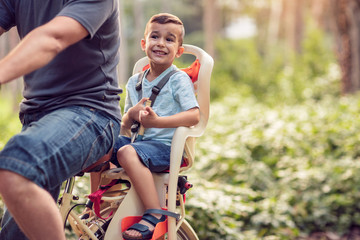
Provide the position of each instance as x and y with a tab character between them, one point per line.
278	75
282	171
9	122
280	158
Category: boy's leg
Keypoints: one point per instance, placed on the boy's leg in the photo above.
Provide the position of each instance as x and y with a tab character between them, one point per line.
140	176
51	148
142	180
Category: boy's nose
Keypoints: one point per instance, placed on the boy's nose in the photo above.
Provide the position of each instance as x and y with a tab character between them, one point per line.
161	42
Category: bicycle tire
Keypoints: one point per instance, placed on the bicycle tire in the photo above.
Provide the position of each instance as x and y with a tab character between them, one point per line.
186	232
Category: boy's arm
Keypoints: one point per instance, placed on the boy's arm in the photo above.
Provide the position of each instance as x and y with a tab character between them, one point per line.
149	119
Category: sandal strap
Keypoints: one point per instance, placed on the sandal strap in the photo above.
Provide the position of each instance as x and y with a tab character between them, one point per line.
142	229
152	219
139	227
163	212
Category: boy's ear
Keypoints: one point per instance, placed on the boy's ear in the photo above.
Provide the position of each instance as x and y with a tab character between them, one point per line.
180	51
143	44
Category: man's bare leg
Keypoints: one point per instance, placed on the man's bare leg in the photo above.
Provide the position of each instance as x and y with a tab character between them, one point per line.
32	207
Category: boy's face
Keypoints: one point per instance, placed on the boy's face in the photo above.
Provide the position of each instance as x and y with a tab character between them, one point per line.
161	43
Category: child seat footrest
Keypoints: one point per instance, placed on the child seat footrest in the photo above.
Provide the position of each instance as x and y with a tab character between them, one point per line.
160	229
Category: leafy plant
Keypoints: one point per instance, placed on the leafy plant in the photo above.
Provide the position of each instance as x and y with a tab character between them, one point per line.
284	171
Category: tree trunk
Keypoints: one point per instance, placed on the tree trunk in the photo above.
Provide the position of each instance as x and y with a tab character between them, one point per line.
294	26
353	11
274	22
139	20
347	23
210	24
13	89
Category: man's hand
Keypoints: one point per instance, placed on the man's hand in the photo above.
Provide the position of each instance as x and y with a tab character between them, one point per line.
134	111
132	115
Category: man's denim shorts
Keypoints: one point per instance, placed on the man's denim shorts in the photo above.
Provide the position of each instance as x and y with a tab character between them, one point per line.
154	154
56	145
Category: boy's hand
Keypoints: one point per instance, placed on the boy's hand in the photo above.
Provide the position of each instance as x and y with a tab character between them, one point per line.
148	118
135	110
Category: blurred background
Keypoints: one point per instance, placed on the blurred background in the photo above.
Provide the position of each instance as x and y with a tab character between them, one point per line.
280	156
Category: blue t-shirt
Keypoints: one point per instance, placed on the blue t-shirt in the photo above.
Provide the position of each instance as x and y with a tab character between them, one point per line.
176	96
84	73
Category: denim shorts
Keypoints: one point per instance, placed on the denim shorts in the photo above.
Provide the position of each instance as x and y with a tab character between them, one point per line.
55	145
154	155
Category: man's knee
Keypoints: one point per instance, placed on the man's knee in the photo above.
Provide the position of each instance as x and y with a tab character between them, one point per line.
5	177
10	181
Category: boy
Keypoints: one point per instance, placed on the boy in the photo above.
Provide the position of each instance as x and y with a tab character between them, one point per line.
175	106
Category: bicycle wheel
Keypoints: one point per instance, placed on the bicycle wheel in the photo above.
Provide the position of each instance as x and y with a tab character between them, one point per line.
186	232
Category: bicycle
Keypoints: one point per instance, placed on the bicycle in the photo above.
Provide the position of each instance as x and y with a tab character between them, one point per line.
123	201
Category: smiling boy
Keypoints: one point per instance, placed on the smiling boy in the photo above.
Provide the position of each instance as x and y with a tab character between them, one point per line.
175	106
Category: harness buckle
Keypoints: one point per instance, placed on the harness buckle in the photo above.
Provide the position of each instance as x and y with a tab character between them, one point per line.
138	86
134	127
155	90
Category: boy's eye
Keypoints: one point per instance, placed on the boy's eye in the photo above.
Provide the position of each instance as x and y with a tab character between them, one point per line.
154	36
169	39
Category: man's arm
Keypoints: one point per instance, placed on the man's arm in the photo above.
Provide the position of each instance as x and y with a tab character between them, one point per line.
130	116
40	46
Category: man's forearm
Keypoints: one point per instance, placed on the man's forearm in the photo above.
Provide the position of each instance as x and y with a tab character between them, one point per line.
33	52
40	46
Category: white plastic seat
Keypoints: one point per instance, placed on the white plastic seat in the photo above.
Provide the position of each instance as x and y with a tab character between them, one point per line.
183	140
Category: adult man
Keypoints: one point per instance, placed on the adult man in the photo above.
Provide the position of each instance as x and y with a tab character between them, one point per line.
70	112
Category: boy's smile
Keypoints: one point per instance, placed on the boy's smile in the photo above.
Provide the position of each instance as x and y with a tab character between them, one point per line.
161	45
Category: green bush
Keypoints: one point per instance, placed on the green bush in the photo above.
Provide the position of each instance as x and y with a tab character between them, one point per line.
282	171
278	75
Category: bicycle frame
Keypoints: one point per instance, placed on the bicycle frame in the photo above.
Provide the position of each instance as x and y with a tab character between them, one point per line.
166	183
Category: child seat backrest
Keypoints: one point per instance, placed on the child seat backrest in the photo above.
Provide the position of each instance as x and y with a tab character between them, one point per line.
200	73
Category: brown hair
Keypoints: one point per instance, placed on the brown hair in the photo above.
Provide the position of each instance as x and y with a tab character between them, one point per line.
164	18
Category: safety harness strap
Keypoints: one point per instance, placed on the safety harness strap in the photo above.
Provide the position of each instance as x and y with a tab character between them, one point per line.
156	89
154	93
96	196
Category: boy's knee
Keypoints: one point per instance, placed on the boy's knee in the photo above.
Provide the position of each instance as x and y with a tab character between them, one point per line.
125	155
